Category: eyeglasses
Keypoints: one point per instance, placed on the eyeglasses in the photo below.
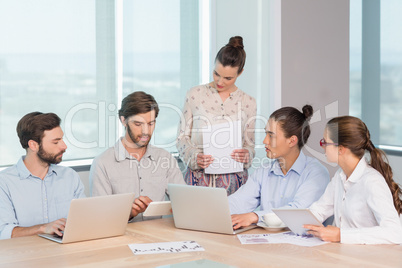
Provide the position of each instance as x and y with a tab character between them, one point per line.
323	143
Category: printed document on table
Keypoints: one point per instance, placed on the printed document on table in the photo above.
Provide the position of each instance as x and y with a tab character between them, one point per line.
246	239
165	247
281	238
219	141
300	240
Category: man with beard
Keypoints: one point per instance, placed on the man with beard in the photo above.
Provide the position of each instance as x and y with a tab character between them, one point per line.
35	193
133	165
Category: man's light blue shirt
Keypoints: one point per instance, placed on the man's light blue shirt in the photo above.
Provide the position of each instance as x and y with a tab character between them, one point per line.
26	200
269	188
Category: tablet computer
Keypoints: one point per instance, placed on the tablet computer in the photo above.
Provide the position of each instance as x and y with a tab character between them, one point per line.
158	208
295	218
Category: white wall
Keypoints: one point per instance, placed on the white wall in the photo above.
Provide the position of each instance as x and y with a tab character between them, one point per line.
395	163
315	65
84	175
315	62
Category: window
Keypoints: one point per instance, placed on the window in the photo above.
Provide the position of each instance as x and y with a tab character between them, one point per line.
48	64
376	69
161	57
79	58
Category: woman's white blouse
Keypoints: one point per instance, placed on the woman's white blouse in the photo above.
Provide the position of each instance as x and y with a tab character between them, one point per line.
362	206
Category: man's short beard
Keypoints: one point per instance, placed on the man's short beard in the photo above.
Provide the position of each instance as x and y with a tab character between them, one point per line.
48	158
133	139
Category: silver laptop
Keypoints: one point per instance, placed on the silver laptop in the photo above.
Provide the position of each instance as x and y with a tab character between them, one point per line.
95	217
202	209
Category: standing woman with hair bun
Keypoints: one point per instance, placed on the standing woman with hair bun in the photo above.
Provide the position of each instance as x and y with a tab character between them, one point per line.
217	102
362	196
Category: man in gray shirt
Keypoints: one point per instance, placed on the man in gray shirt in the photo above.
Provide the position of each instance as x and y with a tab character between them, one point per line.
133	165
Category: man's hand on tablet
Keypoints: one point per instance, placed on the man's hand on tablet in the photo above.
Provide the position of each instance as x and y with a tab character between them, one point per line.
139	205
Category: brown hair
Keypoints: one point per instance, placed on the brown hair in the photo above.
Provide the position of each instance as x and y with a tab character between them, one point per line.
293	122
138	102
33	125
232	54
352	133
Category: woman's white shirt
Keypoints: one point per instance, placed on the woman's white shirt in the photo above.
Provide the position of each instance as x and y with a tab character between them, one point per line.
362	206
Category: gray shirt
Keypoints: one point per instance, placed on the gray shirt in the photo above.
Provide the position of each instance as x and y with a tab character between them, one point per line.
115	171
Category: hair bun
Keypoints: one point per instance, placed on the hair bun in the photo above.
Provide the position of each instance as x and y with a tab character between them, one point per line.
307	111
236	41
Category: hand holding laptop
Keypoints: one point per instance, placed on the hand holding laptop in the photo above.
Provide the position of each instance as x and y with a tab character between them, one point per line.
140	205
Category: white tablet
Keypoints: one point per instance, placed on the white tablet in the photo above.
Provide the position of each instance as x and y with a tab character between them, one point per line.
160	208
295	218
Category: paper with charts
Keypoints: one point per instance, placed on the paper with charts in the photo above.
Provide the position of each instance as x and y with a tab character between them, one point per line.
220	140
165	247
280	238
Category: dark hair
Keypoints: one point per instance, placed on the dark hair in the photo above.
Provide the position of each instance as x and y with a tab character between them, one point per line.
293	122
352	133
232	54
138	102
33	125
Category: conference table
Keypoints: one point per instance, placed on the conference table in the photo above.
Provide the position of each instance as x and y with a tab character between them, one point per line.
34	251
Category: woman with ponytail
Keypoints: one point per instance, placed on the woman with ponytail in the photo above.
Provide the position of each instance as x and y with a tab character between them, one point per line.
291	179
217	102
362	196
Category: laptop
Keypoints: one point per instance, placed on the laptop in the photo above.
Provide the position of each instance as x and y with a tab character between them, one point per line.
202	209
295	218
95	217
